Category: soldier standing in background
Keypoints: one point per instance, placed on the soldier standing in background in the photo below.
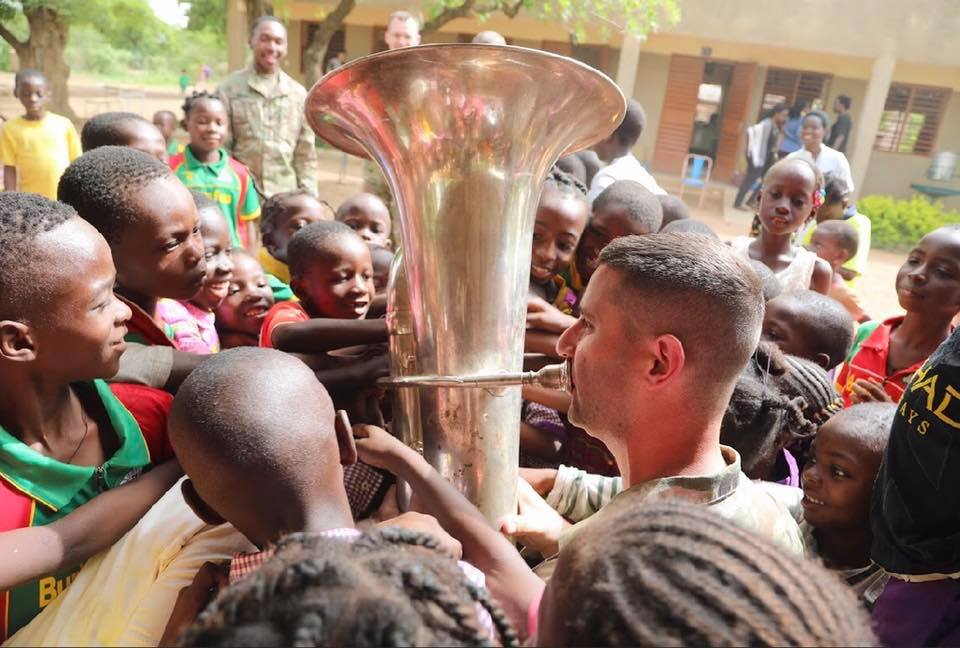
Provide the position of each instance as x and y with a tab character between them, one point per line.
270	134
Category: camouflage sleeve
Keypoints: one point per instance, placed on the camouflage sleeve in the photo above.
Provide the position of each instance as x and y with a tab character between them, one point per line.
305	160
577	495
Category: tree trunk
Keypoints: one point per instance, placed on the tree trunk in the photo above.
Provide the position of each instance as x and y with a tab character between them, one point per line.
44	51
257	8
313	55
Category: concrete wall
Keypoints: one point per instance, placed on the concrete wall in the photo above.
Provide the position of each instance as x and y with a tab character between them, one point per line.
892	173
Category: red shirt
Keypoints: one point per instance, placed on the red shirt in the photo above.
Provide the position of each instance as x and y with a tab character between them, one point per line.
281	313
871	362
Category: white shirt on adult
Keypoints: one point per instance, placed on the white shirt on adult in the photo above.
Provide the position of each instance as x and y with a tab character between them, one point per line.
627	167
829	161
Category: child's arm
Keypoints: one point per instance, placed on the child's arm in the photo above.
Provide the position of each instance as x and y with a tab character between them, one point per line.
91	528
509	579
547	317
9	178
324	334
822	277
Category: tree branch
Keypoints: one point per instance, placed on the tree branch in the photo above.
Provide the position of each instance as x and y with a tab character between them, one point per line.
448	14
511	11
8	36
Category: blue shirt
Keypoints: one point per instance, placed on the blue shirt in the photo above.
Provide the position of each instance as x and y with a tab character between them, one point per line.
791	135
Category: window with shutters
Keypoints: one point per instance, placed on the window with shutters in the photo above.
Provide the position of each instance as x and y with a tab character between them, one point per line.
787	86
911	119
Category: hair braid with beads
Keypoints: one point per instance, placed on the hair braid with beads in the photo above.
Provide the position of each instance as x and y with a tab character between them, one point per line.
673	573
389	587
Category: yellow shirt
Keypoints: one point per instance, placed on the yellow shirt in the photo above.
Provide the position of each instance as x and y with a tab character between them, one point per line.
124	596
40	149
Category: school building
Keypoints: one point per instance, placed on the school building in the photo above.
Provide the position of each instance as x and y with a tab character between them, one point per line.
705	80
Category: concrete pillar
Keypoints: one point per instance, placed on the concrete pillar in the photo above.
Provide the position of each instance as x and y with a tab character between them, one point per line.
627	66
236	35
865	132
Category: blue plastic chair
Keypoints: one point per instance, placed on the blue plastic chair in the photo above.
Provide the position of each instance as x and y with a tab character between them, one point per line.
695	174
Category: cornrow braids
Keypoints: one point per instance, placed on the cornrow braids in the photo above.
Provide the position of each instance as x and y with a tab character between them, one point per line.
756	420
389	587
564	182
679	574
201	95
812	391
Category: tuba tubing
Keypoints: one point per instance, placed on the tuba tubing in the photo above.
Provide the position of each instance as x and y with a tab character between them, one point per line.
464	135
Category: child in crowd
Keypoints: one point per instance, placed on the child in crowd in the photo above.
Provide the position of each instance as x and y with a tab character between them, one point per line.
332	275
560	219
368	216
386	588
65	435
790	196
914	510
674	209
616	151
206	167
150	221
192	321
836	242
809	325
240	315
837	485
166	122
382	259
716	584
778	399
283	215
625	207
886	354
36	147
286	475
123	129
836	206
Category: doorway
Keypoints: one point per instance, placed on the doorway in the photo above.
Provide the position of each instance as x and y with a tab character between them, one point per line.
708	113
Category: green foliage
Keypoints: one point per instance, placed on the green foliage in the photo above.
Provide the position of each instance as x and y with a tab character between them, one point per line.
208	15
634	17
899	224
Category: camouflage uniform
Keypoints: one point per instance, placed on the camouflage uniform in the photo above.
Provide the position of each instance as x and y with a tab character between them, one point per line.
270	132
583	498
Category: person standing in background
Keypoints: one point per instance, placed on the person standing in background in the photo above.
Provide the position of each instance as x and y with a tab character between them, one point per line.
265	108
840	132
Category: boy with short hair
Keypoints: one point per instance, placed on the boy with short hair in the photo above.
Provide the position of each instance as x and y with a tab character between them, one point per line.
151	223
616	151
837	206
166	122
368	216
836	242
205	166
37	146
65	435
809	325
674	209
283	215
332	275
123	129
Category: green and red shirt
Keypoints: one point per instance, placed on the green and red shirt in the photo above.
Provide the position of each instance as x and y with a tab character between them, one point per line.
36	490
226	182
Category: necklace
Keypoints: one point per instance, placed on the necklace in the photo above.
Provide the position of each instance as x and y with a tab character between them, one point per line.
86	428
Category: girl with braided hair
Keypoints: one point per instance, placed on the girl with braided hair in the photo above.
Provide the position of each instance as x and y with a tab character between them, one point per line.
672	573
779	400
205	165
391	587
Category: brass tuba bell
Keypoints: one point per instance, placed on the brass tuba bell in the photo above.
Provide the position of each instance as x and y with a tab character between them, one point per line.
465	135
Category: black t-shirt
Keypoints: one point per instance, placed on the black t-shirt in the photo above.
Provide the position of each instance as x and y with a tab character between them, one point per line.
840	127
916	499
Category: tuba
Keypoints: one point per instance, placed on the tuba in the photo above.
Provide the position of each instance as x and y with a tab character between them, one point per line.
464	135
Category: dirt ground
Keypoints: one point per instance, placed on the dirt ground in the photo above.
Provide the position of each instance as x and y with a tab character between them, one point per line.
341	177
